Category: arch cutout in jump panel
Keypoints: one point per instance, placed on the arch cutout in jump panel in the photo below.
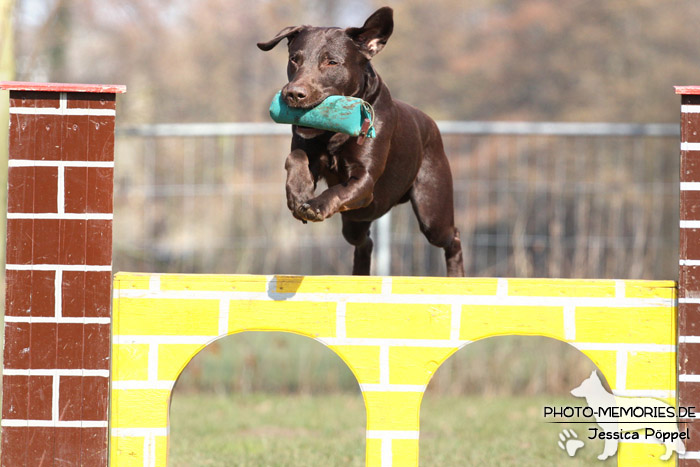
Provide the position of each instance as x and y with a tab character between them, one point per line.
466	422
393	333
266	398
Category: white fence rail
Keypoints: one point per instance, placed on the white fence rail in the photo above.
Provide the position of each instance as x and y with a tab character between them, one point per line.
446	127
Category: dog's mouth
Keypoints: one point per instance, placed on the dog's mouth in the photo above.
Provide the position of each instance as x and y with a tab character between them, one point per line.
306	132
304	105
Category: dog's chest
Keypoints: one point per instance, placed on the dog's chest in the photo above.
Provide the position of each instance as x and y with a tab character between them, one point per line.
332	169
333	166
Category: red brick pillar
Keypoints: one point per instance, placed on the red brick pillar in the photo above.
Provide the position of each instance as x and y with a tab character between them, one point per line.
689	274
58	275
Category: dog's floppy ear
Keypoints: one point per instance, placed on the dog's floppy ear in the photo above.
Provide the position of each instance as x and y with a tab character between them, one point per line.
373	35
289	32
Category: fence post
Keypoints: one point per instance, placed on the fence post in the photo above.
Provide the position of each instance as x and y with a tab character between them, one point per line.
383	245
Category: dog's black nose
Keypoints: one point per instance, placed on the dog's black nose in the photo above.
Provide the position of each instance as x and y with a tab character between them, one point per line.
295	94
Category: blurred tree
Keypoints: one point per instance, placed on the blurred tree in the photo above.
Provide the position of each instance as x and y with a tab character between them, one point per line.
491	59
58	40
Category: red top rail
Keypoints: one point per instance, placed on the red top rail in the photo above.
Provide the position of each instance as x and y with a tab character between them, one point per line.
62	87
688	90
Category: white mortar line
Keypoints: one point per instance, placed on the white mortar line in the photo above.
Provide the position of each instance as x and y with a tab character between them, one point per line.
149	450
61	193
410	299
387	460
392	387
386	286
87	216
686	146
55	393
392	434
690	186
620	289
56	267
138	339
689	224
138	432
55	372
58	320
60	164
624	347
59	111
200	339
570	322
131	385
154	284
58	424
58	294
502	288
690	109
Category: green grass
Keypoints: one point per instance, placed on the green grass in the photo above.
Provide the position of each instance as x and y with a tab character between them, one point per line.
329	430
503	431
260	430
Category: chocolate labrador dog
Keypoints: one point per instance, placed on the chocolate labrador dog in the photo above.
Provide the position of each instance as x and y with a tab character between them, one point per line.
405	161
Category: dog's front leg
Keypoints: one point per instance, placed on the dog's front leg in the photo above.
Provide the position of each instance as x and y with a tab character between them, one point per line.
301	182
353	194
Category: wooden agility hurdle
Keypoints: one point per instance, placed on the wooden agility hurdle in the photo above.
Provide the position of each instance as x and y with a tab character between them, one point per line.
393	332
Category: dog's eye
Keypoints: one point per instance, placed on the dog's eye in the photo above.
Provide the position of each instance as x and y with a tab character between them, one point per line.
294	60
331	62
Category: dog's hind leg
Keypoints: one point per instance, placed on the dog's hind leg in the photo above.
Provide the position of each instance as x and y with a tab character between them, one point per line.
675	445
432	201
669	450
357	234
609	449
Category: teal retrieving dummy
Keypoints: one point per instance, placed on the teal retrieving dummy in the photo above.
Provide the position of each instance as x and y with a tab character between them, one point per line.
340	114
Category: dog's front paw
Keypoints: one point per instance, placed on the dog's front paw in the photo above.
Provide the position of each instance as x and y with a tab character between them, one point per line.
307	212
296	216
294	207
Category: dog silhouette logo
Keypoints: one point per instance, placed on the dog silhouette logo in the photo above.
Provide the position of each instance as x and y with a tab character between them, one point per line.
623	418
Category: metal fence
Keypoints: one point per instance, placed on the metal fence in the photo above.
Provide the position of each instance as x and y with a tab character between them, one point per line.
531	199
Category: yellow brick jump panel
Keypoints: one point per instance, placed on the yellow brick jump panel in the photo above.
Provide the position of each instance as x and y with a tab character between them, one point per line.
393	333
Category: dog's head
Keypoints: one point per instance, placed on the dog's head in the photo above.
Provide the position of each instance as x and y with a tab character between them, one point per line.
330	61
588	386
